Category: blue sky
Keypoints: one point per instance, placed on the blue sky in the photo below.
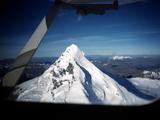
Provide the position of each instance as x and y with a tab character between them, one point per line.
131	30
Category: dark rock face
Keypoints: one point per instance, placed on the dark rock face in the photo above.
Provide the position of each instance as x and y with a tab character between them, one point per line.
56	83
54	74
62	72
70	68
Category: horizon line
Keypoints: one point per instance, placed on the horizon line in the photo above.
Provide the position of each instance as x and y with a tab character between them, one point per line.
88	55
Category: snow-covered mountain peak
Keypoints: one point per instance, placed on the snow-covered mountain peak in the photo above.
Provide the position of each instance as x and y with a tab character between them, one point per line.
72	53
74	79
72	47
70	56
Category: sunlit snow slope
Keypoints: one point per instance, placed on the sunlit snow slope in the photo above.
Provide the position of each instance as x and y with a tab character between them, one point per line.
74	79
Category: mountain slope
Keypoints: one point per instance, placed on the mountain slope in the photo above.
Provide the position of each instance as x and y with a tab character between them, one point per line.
74	79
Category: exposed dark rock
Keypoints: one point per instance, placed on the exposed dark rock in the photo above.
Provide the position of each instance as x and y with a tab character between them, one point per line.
58	61
62	72
56	83
54	73
70	68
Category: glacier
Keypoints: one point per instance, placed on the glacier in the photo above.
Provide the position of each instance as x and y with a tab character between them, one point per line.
74	79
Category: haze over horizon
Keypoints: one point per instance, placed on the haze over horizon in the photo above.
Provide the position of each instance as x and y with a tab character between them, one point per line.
92	55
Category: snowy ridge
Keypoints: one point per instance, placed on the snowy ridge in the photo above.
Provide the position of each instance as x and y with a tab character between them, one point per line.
74	79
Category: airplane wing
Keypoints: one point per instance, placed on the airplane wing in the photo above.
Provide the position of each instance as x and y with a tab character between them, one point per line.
17	68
